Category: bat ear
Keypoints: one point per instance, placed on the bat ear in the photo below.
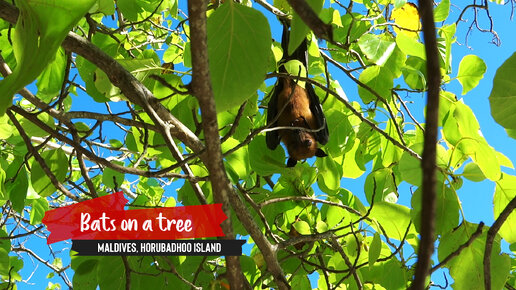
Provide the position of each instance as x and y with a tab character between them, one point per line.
291	162
320	153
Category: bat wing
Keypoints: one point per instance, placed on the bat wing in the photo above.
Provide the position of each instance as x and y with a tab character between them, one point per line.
318	114
272	137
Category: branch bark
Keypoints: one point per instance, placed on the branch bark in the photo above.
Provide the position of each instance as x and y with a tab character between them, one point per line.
201	88
428	163
223	191
310	18
491	234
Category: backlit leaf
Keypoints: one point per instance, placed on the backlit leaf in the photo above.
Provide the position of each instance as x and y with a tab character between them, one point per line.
239	42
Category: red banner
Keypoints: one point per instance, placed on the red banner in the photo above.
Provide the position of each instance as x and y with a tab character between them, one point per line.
104	218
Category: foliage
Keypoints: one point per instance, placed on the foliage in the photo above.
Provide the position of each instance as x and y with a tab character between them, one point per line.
82	132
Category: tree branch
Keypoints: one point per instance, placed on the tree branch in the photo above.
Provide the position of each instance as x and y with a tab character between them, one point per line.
201	88
491	234
428	163
307	14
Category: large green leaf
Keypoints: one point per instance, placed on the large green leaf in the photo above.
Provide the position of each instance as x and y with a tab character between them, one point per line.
505	191
376	79
414	73
112	178
446	212
57	162
239	45
51	79
441	11
110	273
41	27
503	94
341	132
410	46
471	71
376	48
299	29
39	207
264	161
237	163
467	268
330	174
17	185
461	129
381	183
394	218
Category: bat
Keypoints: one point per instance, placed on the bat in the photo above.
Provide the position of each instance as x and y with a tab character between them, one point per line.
294	104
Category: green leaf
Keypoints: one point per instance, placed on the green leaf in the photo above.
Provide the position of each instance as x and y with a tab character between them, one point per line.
264	161
503	94
40	29
17	185
375	249
110	273
334	215
130	9
447	32
353	165
341	132
504	160
414	73
302	227
376	48
112	178
471	71
485	158
441	11
382	185
390	153
296	68
446	211
395	63
6	129
32	129
505	191
461	129
394	219
380	82
299	30
51	79
300	282
57	162
115	143
3	191
37	212
238	161
473	172
410	46
4	262
239	42
330	173
467	269
107	7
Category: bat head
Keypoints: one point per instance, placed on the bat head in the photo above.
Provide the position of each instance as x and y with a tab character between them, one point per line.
301	145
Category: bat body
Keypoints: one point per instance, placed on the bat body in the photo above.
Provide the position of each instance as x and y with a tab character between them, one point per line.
296	106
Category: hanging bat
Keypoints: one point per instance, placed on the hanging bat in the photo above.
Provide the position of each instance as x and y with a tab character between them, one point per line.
295	104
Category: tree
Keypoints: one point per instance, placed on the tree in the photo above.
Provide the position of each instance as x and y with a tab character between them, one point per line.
175	100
